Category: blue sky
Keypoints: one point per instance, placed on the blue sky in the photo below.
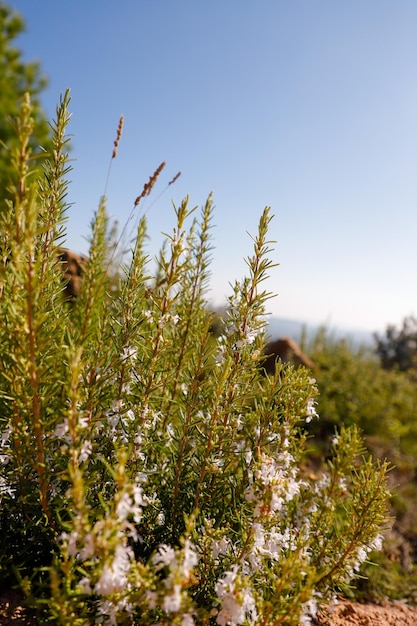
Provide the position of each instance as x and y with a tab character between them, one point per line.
309	106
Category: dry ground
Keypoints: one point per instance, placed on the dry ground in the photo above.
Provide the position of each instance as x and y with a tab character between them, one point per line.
348	613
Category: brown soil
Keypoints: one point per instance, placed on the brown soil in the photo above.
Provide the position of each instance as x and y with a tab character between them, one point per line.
347	613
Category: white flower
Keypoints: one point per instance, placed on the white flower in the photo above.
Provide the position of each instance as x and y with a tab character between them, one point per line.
190	558
249	606
248	456
89	547
361	556
164	556
309	611
172	603
62	431
343	483
83	421
86	450
311	410
276	503
227	583
129	353
270	544
124	507
5	487
237	605
292	489
376	544
138	502
231	613
71	541
219	547
85	585
187	620
113	578
5	435
107	609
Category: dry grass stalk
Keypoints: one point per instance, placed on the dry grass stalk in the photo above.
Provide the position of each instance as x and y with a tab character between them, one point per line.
147	188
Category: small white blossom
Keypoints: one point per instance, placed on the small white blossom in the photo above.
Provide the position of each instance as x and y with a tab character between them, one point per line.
5	487
129	353
113	578
170	431
172	603
190	558
309	612
311	410
248	456
237	605
219	547
108	610
5	435
71	542
376	544
164	556
86	450
123	507
85	585
88	549
62	431
83	421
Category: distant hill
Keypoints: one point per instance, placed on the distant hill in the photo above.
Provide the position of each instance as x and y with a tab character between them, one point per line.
283	327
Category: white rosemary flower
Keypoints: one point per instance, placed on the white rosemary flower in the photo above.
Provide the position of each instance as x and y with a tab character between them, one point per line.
113	577
237	604
129	353
190	558
219	547
164	556
172	602
86	450
62	431
311	410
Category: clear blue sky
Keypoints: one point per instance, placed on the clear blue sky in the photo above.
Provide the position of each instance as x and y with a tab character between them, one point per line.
309	106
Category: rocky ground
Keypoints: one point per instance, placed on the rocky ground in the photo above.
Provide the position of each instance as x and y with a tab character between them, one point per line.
348	613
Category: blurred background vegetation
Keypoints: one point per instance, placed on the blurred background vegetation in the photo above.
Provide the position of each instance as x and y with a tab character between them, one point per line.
374	387
16	78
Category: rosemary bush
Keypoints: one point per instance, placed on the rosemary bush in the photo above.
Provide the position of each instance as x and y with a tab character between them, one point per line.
150	472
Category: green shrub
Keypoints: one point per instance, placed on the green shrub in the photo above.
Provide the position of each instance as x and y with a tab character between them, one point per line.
150	473
355	389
